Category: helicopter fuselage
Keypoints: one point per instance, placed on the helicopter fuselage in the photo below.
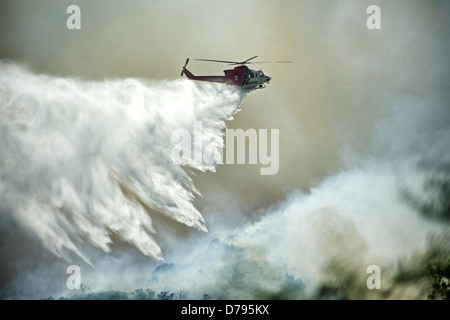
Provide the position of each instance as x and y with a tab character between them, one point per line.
241	76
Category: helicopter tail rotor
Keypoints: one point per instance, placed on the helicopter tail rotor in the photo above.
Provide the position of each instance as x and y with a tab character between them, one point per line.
182	71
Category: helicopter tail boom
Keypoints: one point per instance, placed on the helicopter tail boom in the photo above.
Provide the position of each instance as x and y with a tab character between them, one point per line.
190	75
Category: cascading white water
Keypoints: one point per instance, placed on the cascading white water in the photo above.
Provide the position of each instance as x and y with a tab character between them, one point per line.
81	159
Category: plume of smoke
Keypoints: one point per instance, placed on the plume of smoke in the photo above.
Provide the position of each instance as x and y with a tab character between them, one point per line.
364	123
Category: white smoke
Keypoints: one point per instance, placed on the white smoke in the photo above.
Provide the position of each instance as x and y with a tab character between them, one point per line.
385	207
83	160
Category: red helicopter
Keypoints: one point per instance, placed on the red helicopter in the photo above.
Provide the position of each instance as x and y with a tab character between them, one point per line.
241	75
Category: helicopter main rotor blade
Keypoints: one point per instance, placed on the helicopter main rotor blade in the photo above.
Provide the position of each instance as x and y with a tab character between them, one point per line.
246	61
229	62
249	59
243	62
222	61
269	62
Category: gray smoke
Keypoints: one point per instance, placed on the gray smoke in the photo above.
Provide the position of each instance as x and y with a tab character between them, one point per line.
364	122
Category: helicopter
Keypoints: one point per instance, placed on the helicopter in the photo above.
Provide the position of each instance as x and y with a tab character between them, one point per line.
241	75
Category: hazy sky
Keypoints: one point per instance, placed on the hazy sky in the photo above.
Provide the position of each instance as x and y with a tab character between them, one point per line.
349	93
343	77
342	80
